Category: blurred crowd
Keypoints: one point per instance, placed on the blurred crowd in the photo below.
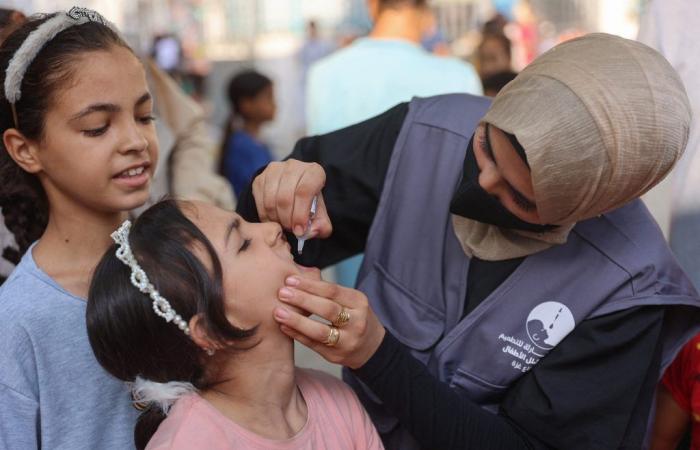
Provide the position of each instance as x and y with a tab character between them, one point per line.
347	79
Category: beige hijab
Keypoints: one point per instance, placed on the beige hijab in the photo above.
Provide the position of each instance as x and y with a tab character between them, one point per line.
602	120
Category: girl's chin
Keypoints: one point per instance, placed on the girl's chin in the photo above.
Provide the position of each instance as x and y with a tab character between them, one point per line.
133	201
311	273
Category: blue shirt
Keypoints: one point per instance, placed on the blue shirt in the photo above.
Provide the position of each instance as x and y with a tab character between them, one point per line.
53	392
372	75
244	156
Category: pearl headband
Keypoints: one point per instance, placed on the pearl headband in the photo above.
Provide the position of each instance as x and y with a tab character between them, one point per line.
139	279
36	40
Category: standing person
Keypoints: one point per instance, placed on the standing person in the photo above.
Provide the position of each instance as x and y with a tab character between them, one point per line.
493	55
78	152
385	68
494	62
379	71
228	367
524	296
669	26
252	100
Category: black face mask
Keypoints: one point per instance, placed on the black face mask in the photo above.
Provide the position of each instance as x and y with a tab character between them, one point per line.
470	200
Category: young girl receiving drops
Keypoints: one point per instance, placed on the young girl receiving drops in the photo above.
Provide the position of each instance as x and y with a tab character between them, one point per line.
182	307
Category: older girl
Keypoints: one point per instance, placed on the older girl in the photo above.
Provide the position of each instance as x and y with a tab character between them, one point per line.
78	151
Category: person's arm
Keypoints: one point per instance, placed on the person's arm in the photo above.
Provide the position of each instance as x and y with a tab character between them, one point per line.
370	439
192	166
592	391
192	161
354	161
437	415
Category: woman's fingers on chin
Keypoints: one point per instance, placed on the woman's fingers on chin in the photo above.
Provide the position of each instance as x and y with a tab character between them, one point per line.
302	339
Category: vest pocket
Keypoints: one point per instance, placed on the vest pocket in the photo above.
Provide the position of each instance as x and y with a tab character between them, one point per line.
409	318
487	394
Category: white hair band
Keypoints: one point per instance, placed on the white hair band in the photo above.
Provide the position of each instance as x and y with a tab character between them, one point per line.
140	280
36	40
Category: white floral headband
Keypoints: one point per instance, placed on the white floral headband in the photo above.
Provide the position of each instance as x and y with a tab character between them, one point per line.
36	40
140	280
143	391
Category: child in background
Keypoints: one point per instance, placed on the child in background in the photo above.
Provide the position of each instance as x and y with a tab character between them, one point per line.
182	307
252	100
78	151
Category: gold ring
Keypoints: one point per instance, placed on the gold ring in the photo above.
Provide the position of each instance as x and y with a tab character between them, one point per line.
342	318
333	337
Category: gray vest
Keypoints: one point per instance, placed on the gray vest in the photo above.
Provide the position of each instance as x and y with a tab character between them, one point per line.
415	272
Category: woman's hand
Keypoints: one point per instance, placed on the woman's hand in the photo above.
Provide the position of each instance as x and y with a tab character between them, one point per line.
359	336
283	193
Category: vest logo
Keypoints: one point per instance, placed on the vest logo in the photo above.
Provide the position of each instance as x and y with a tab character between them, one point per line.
549	323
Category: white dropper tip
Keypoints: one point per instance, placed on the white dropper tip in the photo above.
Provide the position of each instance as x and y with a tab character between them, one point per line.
302	240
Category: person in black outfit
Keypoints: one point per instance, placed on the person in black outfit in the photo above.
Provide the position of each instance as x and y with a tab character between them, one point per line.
593	390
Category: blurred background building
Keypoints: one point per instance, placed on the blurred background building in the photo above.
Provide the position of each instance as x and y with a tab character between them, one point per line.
219	37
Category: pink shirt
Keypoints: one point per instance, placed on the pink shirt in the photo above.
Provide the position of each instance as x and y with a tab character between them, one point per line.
336	420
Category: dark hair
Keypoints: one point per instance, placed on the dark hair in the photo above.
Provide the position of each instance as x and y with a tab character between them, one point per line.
398	3
495	25
22	199
501	38
6	15
245	85
126	335
10	19
242	86
497	81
